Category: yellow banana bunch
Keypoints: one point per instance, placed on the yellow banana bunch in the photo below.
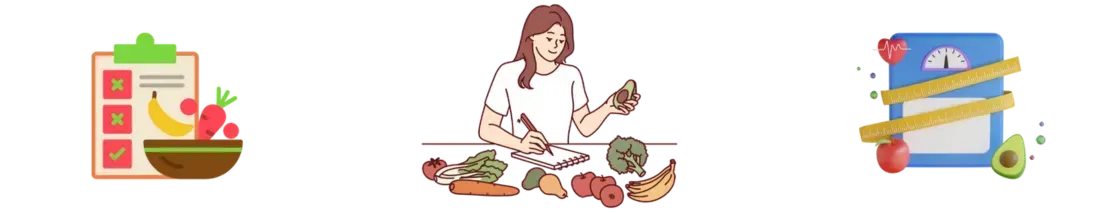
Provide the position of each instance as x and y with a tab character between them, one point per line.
653	188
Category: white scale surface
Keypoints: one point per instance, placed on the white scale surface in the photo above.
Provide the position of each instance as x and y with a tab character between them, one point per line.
964	136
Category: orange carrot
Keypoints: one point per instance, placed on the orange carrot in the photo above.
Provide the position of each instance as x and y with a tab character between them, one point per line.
471	187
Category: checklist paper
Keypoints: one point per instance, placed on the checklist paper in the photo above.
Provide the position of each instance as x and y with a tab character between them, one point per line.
122	85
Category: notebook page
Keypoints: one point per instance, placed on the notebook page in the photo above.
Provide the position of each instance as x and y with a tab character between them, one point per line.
561	156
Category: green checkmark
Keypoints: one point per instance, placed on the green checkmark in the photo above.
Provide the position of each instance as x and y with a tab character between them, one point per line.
116	84
118	154
116	119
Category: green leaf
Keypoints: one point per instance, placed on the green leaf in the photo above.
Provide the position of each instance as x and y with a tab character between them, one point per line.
484	161
492	170
883	141
224	98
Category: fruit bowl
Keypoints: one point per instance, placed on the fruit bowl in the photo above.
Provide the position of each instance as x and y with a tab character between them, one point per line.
193	159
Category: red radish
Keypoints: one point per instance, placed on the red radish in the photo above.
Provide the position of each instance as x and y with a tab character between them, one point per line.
611	197
231	131
431	166
892	155
580	185
598	183
211	120
188	106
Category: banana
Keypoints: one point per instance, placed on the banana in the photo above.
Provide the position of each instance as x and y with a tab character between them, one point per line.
164	122
644	186
655	178
646	183
662	181
658	190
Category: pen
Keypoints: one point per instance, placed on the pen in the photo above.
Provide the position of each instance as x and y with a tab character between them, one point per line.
525	120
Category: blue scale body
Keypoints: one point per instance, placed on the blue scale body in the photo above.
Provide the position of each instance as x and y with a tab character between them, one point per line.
980	49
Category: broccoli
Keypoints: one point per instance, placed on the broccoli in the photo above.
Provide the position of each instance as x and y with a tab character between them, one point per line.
627	155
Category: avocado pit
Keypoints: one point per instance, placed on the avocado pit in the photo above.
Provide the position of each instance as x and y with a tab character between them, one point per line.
622	96
1008	159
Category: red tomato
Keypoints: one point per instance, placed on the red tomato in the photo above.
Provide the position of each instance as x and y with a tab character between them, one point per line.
893	157
432	166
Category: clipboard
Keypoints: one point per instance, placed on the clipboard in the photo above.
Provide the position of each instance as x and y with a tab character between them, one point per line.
967	143
121	81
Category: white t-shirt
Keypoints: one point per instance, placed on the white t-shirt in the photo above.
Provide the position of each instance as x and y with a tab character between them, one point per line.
549	105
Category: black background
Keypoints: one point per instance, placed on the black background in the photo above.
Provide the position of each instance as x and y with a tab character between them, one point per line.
686	57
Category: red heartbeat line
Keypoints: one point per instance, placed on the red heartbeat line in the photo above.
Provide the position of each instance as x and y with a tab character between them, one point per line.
891	48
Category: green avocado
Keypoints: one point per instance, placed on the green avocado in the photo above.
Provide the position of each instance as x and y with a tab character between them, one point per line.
533	178
1009	159
625	93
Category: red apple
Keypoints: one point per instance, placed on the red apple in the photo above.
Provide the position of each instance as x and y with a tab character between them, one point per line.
598	183
580	184
612	196
893	155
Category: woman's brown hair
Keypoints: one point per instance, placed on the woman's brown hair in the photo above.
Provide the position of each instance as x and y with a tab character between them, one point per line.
540	20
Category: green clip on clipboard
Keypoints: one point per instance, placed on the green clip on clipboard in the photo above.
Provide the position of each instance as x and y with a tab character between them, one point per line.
145	49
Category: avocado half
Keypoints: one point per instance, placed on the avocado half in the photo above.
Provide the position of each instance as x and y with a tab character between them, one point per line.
625	93
193	159
1009	159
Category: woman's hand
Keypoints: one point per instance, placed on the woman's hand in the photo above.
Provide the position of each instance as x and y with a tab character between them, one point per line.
533	143
626	107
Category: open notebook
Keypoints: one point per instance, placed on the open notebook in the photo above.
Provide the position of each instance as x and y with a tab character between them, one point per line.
563	158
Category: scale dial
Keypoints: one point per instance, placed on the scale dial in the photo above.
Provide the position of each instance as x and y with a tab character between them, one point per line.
945	58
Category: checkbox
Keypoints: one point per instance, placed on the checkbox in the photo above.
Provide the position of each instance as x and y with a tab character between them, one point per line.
117	119
117	154
117	84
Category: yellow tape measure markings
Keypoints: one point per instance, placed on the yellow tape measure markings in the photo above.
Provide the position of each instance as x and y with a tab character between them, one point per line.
884	130
952	82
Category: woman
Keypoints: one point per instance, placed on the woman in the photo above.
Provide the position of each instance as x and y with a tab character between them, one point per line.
540	85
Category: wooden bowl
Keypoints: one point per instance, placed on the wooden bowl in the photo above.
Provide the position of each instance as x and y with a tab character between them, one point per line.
193	159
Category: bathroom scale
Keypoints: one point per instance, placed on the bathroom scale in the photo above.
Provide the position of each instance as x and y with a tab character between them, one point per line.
965	143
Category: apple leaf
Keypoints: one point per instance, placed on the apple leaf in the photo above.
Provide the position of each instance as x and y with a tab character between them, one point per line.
883	141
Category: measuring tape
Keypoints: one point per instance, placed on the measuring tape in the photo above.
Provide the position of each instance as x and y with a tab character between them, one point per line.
884	130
